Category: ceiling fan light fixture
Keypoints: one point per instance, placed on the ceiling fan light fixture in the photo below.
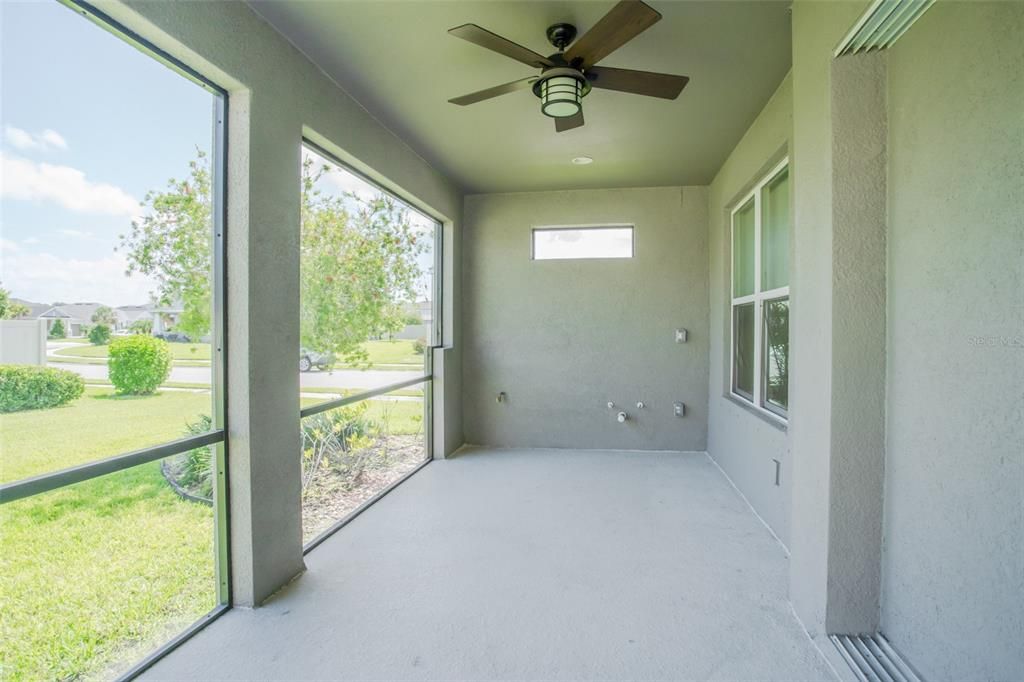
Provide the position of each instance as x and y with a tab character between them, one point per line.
561	96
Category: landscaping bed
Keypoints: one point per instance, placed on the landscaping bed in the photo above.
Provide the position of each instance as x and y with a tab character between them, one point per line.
331	496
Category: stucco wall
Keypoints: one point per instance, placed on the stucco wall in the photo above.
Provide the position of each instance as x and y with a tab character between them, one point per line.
953	566
562	338
817	29
276	97
740	441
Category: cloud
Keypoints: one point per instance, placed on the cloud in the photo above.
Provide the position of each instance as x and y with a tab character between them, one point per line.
32	181
78	234
45	277
30	240
44	141
340	179
8	246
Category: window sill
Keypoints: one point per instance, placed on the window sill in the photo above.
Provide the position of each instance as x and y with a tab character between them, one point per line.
764	416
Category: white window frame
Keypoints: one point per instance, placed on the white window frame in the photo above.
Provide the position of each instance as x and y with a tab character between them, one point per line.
593	227
758	298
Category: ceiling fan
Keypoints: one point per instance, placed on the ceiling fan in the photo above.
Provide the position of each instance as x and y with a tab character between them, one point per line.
567	76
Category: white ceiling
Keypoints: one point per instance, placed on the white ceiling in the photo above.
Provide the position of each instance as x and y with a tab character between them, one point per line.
398	61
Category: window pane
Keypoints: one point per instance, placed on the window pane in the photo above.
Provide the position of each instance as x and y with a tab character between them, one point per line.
743	250
107	243
775	232
367	284
743	351
589	242
776	353
96	575
354	452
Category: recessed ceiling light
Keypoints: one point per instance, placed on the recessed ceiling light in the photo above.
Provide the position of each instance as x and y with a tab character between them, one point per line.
582	160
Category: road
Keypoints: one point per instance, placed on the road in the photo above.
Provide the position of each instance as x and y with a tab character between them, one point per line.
338	379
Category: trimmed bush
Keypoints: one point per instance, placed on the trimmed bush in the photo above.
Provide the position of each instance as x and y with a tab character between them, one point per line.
138	364
35	388
419	346
99	334
57	330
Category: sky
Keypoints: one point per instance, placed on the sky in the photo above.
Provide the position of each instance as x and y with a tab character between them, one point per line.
88	125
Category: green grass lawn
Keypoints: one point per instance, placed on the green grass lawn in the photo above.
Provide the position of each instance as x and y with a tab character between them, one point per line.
398	352
179	351
95	575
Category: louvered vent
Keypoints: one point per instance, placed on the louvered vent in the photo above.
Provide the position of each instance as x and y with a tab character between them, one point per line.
882	25
873	659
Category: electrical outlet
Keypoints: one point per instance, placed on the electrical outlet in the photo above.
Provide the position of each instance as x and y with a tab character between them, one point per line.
679	409
681	335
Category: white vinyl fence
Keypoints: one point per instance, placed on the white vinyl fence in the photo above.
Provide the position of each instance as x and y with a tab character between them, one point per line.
22	342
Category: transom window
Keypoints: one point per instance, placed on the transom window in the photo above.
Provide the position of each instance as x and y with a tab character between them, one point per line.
572	243
760	294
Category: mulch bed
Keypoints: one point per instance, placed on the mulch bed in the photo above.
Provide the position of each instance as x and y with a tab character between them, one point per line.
326	500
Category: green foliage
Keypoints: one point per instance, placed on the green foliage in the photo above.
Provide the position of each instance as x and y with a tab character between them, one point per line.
138	364
57	330
9	310
358	266
141	327
337	439
194	468
413	318
25	387
105	315
172	244
99	334
419	346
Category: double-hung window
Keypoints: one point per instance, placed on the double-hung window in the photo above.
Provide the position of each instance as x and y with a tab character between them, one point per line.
760	294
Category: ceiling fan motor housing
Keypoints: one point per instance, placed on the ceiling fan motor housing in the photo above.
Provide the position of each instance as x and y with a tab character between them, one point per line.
561	35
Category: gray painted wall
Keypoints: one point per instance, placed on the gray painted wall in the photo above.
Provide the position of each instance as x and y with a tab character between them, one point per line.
953	563
817	29
276	97
741	441
562	338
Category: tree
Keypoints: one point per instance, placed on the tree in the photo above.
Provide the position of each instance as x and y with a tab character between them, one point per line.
141	326
172	244
10	310
99	334
57	330
359	268
106	316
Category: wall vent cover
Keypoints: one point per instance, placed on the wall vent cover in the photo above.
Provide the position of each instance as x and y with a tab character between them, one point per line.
873	659
882	25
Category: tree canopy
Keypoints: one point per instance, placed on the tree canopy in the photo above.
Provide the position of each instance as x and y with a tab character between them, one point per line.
172	243
10	310
359	267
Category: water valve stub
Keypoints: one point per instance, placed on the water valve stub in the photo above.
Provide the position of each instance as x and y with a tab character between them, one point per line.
622	417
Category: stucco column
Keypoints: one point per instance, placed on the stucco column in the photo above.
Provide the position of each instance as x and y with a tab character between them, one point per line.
262	346
838	328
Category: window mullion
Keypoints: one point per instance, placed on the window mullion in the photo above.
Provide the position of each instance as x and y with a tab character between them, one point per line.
758	302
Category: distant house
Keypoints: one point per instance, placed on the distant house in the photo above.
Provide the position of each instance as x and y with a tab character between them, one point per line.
35	310
76	317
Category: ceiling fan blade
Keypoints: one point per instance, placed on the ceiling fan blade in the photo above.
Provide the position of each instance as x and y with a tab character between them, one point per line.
563	124
664	85
494	42
625	21
481	95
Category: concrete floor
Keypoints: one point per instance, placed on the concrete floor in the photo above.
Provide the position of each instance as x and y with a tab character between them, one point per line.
529	565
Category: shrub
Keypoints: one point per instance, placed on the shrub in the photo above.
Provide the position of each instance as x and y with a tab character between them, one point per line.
138	364
57	330
193	470
338	440
99	334
33	388
141	327
419	346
